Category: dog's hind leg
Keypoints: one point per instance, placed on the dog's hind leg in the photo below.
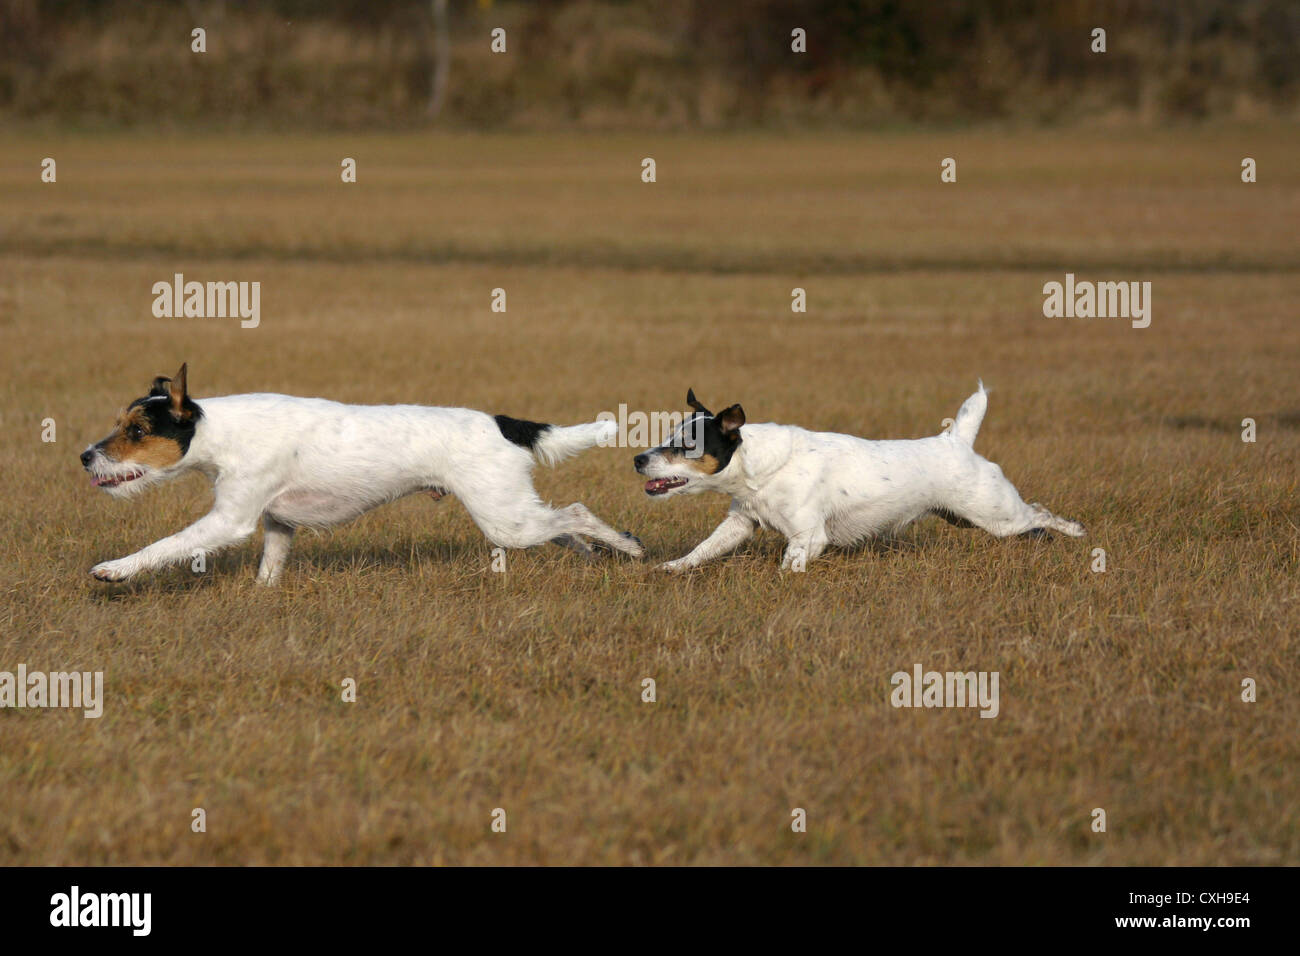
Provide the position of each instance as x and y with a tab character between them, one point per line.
275	549
583	522
951	518
988	500
574	543
525	522
1045	519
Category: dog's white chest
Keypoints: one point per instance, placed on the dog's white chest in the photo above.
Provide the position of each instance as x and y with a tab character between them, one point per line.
766	512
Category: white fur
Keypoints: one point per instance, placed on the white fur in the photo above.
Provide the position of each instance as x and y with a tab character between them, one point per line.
821	488
295	462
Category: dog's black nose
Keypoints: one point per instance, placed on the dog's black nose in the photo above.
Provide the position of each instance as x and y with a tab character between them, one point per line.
640	461
85	458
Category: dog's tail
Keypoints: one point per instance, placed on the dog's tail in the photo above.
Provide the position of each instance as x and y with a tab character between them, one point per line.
970	416
554	443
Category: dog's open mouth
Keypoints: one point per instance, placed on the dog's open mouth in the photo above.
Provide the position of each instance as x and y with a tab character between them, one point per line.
657	486
112	481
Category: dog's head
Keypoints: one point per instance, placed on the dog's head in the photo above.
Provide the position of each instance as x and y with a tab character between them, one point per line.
148	441
695	458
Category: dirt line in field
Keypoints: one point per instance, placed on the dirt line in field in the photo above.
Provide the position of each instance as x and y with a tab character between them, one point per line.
650	259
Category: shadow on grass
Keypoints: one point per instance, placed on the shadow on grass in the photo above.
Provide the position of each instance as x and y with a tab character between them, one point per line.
463	554
242	567
1289	419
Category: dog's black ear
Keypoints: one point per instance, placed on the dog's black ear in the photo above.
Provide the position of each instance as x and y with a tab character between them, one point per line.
730	420
159	387
177	392
692	401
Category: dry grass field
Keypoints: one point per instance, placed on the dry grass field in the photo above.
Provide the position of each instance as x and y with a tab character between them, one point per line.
522	690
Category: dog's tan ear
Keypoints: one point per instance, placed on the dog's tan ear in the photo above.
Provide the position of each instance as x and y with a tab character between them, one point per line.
695	404
178	391
730	420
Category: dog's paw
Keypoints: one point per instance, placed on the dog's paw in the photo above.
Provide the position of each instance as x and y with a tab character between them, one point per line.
118	570
635	547
269	577
675	566
794	559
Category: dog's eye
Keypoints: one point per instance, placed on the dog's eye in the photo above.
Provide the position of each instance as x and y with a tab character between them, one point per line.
135	433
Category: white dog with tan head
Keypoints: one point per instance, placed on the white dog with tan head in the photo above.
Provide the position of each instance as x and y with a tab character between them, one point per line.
292	462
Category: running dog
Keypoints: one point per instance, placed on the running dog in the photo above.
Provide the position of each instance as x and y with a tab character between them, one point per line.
308	462
820	488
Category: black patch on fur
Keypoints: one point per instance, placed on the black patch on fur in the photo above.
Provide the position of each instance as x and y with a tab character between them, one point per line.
157	408
523	433
718	444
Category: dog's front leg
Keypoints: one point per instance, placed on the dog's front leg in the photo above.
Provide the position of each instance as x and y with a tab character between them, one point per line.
224	525
734	529
804	547
275	549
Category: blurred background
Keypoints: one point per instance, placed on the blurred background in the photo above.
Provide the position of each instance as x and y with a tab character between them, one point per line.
604	64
